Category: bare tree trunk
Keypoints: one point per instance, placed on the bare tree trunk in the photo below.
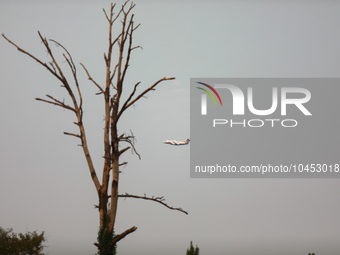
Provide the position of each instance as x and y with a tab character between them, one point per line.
115	174
114	108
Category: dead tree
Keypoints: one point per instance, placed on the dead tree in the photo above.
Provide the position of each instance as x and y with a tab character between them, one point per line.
114	108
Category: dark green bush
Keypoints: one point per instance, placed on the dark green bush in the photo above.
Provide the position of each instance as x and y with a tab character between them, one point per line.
21	244
192	250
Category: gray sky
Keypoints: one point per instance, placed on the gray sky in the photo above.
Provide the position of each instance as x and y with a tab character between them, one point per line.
45	184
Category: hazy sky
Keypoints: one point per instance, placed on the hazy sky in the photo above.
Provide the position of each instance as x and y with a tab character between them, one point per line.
45	183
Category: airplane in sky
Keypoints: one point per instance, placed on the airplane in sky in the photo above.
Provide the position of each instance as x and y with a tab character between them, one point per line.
173	142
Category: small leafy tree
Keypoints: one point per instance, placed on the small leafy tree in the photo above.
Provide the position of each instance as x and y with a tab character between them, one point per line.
21	244
192	250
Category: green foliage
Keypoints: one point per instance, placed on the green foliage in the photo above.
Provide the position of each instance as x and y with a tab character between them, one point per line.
21	244
192	250
105	238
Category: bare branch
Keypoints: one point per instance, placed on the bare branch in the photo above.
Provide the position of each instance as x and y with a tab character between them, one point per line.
99	247
117	38
58	44
130	27
61	75
106	13
133	147
39	61
123	150
117	238
136	47
131	95
122	235
130	8
122	164
127	104
56	103
77	109
61	103
113	74
90	78
131	140
78	136
106	60
74	72
136	27
51	63
156	199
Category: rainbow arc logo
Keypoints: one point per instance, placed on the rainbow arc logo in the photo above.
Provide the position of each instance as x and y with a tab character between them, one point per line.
212	89
204	98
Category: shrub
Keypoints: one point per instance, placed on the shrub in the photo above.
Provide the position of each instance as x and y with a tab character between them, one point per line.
21	244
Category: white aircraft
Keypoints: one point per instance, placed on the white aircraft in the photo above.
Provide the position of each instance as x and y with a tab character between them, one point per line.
173	142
